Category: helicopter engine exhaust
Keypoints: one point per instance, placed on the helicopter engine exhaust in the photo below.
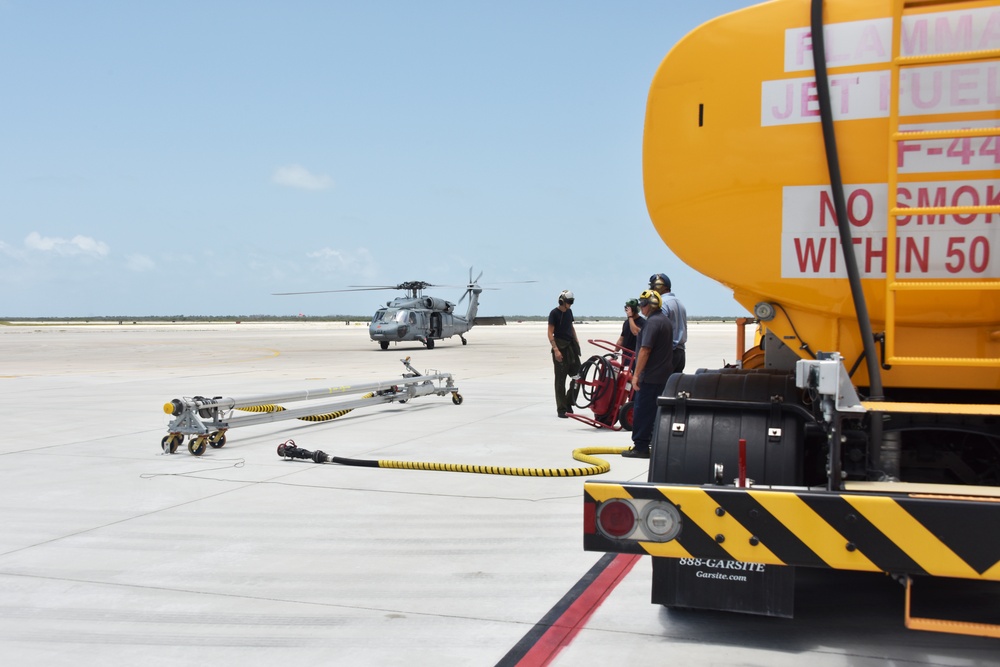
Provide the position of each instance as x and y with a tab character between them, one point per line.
434	303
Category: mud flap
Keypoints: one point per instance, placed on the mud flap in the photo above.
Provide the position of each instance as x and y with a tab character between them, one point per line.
724	585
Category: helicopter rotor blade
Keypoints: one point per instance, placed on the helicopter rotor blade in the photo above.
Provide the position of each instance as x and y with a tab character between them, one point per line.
413	285
322	291
408	286
512	282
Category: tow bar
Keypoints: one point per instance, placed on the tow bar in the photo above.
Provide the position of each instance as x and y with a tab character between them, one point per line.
206	420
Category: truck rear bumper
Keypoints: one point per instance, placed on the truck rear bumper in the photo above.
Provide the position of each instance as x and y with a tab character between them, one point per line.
897	533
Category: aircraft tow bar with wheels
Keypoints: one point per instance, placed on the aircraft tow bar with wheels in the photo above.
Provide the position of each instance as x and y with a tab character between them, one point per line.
206	420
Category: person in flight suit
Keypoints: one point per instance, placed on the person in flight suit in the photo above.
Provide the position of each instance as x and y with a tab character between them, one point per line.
565	350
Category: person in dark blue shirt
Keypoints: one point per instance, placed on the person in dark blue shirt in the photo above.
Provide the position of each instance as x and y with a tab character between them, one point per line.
676	313
627	341
653	365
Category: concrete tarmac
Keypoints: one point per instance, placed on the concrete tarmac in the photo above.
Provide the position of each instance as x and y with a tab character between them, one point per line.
114	553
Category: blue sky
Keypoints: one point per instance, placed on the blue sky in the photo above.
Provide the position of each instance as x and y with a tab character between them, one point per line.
192	158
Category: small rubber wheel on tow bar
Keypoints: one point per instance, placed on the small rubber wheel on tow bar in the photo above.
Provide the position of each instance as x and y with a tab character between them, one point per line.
170	442
198	445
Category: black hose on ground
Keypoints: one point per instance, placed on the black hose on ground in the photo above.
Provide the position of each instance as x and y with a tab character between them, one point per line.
595	465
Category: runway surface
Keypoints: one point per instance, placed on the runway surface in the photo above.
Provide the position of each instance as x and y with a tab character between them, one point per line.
114	553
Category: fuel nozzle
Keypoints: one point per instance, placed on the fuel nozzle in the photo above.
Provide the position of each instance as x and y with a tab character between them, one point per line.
288	450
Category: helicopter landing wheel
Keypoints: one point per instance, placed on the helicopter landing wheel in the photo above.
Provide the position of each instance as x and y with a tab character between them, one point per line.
465	342
430	343
384	344
170	442
456	398
198	445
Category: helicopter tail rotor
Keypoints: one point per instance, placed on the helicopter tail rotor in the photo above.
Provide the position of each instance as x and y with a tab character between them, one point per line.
473	285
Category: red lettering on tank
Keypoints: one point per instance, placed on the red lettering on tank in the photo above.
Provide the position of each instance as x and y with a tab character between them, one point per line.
956	200
992	199
925	91
946	41
924	201
812	256
809	100
914	34
870	41
991	33
919	254
860	201
951	33
844	85
860	207
872	253
959	86
992	85
787	111
826	207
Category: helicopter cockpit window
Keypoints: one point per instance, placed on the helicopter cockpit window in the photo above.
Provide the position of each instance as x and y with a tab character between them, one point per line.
387	315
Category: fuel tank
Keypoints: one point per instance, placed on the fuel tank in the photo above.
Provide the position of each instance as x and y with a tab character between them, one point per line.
737	183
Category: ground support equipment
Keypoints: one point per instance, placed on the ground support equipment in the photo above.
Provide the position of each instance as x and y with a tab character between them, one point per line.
205	421
604	386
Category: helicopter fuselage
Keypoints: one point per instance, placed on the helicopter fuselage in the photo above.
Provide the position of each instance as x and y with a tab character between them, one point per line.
422	318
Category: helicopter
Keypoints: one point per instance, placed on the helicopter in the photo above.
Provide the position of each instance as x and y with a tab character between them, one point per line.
421	317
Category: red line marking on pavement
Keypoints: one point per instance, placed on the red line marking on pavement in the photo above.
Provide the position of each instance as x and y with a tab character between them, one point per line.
575	616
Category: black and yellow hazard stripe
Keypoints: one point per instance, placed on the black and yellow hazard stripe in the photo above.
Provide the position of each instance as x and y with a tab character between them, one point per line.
898	533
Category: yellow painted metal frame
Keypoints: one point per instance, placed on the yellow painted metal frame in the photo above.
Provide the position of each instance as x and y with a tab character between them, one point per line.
942	625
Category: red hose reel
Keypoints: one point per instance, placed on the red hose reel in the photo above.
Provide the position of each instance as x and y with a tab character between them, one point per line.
604	386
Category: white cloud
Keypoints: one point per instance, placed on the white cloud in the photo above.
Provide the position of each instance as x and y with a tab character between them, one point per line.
297	176
329	260
78	245
139	263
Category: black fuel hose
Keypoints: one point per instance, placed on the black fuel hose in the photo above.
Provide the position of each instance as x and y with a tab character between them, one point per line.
889	467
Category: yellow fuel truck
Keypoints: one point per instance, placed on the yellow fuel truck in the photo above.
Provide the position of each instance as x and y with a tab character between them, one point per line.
837	165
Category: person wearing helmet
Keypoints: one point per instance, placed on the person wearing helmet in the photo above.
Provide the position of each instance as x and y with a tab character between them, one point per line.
654	363
626	342
565	350
676	313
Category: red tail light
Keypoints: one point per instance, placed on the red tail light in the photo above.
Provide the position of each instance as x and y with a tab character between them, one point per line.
616	518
